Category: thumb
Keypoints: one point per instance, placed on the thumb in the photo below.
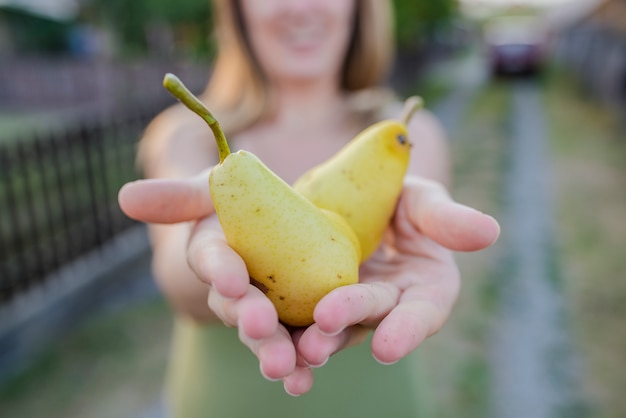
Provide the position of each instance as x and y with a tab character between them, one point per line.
453	225
167	201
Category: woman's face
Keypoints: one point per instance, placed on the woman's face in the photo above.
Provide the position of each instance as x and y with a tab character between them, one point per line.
299	40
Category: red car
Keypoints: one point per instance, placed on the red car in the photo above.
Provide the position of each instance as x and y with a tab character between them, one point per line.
515	45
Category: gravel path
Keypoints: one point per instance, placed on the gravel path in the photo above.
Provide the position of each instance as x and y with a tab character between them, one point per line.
533	365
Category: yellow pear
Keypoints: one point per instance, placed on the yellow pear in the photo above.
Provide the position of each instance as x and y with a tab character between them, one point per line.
363	181
294	251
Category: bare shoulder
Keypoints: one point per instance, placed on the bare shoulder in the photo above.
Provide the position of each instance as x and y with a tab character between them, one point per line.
176	138
173	120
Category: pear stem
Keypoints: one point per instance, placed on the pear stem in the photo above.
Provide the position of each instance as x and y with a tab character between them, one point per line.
182	93
411	106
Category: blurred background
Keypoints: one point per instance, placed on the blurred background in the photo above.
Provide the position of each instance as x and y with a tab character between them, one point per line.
532	94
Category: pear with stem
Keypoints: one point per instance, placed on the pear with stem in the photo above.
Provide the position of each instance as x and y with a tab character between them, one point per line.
294	251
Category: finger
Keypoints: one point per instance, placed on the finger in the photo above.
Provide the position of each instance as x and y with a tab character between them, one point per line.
315	347
167	200
257	322
253	313
457	227
258	318
299	382
276	353
361	303
215	262
421	313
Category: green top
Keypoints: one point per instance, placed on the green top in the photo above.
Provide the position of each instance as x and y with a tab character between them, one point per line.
212	374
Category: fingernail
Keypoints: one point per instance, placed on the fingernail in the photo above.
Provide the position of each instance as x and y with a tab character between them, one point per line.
316	366
384	363
330	334
271	379
295	395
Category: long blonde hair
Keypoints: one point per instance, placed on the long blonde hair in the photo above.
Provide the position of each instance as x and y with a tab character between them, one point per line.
238	93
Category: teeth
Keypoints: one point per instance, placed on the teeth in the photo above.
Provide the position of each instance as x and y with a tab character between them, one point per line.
303	34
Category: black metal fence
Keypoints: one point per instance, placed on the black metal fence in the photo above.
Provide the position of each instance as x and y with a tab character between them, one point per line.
58	195
596	54
58	188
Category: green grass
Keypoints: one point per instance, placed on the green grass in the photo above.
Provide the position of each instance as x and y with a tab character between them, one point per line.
589	151
588	154
15	124
431	90
113	365
457	356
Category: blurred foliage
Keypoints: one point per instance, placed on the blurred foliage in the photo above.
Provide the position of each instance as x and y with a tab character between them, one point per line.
187	21
417	20
31	33
153	27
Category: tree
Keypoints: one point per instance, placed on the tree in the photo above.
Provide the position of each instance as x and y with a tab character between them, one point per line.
417	19
131	20
33	33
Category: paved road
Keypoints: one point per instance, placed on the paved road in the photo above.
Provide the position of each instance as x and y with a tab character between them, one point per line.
533	364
